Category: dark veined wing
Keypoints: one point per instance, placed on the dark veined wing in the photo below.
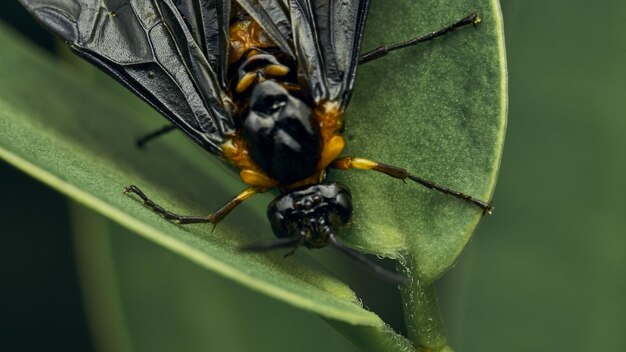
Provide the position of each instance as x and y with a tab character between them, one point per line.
323	35
152	47
327	36
273	16
208	22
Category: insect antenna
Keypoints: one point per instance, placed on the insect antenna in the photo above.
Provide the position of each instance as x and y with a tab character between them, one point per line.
381	272
286	242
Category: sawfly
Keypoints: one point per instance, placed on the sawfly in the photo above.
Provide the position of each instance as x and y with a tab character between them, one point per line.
262	84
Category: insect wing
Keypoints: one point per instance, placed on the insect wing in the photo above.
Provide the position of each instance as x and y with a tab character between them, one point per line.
324	36
273	17
327	37
148	47
208	22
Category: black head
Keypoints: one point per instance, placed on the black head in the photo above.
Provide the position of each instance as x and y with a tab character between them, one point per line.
311	214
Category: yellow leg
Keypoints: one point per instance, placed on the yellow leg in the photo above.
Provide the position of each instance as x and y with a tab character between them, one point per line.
217	216
348	162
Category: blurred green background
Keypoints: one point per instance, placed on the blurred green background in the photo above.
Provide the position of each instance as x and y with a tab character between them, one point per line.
544	273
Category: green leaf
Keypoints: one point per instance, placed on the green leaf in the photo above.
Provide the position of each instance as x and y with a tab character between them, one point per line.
440	111
437	109
143	297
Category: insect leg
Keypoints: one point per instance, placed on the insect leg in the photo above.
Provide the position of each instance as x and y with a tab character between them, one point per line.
379	52
213	218
141	141
348	162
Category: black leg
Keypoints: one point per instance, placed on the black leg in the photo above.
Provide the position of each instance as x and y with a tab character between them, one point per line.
348	162
377	53
213	218
141	141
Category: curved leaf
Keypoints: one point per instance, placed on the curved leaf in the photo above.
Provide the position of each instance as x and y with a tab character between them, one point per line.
438	110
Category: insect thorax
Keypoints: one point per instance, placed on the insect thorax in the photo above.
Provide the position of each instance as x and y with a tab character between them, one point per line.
287	137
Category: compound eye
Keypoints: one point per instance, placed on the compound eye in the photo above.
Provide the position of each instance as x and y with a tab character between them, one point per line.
277	220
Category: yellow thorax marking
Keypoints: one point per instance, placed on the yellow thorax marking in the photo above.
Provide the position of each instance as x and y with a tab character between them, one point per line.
329	116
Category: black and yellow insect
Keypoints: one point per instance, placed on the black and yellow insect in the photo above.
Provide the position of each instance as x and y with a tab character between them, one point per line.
263	84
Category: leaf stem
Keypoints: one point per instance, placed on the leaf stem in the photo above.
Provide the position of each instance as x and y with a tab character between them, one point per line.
422	314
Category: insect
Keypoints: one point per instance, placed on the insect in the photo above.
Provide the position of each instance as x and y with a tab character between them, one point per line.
263	84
